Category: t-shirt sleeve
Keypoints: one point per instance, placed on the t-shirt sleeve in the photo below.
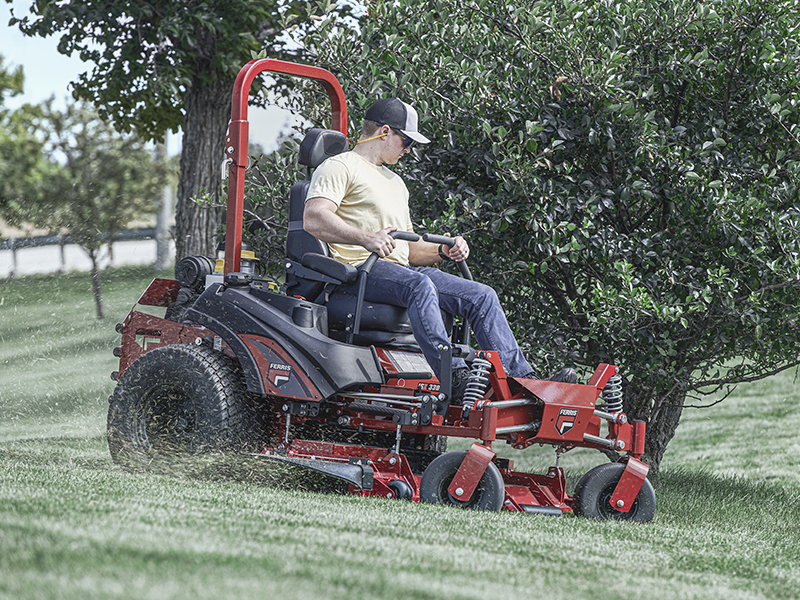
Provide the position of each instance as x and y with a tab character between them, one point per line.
330	181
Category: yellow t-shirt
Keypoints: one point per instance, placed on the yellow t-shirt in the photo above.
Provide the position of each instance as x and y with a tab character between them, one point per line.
368	197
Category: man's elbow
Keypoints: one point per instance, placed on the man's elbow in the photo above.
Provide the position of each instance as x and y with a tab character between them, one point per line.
310	222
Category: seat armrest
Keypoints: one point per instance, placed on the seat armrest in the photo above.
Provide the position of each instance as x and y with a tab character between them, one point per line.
330	266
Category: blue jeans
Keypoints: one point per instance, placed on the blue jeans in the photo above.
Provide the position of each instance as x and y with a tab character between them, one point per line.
426	290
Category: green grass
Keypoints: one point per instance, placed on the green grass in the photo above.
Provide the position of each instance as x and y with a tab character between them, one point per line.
72	525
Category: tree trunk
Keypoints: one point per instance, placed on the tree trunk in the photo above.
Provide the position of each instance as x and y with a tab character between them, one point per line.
208	105
662	416
98	293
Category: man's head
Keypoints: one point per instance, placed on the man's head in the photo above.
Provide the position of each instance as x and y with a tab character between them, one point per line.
396	114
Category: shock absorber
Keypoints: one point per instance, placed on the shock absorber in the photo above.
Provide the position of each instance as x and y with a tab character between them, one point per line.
476	384
612	394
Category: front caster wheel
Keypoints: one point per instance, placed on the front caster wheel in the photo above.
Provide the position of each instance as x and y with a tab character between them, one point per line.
401	490
488	495
594	490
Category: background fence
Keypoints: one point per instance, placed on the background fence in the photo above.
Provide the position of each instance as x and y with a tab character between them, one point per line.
58	254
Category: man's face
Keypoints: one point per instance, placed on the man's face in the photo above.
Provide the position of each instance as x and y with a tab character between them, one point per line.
395	146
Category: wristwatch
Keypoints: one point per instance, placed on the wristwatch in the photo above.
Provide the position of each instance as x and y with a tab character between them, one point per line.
442	255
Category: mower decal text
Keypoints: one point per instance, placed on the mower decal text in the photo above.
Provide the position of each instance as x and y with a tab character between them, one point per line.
429	387
566	420
278	376
279	373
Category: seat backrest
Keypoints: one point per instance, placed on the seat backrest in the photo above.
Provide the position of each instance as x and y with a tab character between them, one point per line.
317	146
298	240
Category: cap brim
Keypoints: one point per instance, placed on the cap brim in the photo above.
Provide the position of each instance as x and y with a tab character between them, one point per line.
416	136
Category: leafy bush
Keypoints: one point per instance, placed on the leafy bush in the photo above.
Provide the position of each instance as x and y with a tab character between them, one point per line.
627	174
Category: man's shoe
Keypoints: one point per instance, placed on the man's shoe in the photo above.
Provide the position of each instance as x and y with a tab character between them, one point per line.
565	375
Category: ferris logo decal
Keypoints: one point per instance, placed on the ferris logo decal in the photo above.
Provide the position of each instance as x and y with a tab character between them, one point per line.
279	373
566	420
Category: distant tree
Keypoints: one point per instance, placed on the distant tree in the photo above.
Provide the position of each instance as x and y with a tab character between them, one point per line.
11	81
627	172
102	180
163	65
22	162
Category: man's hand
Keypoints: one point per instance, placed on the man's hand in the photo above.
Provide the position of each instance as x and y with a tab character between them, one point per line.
380	242
460	250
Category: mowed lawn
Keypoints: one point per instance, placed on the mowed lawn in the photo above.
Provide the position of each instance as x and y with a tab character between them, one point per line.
72	525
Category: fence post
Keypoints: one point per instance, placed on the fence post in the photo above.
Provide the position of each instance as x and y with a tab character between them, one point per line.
61	255
13	243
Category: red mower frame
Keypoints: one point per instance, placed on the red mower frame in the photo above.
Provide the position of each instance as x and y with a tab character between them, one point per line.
518	411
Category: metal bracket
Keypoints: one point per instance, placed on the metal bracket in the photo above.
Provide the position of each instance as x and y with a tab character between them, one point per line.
304	409
225	165
629	485
470	472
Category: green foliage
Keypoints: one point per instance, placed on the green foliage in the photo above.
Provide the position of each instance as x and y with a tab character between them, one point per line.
85	179
106	179
147	55
22	162
269	179
627	174
161	65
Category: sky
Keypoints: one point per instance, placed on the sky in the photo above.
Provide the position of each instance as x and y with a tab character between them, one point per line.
49	73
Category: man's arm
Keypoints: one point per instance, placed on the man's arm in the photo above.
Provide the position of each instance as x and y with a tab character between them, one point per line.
424	254
321	221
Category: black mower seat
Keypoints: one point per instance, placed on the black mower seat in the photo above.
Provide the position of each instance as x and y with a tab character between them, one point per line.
315	279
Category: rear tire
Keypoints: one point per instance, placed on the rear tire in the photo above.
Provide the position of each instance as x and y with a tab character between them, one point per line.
488	495
593	495
181	400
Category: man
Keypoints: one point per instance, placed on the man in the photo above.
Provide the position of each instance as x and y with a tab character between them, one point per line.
355	201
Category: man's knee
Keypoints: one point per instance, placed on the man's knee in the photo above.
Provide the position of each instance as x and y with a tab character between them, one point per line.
485	296
423	287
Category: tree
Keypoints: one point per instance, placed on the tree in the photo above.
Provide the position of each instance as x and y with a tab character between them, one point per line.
22	163
164	65
101	182
11	81
627	174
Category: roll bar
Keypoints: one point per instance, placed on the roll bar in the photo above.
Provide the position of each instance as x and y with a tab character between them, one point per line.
236	142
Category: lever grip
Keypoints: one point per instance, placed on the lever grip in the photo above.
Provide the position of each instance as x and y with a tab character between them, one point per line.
449	242
439	239
408	236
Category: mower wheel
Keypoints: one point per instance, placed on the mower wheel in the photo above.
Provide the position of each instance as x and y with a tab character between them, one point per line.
177	400
489	494
401	490
594	490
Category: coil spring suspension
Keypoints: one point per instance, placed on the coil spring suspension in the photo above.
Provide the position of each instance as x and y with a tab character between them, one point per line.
612	394
476	384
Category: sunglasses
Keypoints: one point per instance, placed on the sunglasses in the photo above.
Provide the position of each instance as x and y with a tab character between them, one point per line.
407	141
